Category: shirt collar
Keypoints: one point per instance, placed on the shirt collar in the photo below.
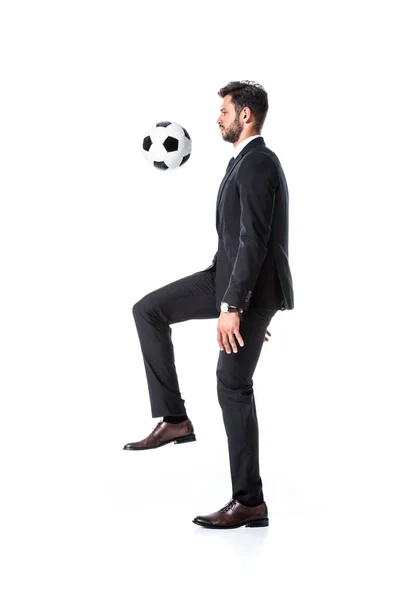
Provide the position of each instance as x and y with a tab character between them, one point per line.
243	143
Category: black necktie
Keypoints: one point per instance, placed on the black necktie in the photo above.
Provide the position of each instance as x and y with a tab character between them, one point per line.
229	163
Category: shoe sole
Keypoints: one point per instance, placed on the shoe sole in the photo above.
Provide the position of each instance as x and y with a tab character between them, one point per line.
179	440
253	523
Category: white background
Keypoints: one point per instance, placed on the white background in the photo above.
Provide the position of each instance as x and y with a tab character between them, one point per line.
88	228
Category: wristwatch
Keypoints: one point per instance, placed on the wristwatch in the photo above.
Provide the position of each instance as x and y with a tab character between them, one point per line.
225	307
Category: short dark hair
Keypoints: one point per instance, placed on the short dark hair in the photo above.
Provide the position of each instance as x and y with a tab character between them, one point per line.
248	93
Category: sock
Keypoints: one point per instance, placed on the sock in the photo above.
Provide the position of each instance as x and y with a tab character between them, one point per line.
175	418
249	505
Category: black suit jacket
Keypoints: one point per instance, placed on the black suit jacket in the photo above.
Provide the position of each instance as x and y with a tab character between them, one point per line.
252	221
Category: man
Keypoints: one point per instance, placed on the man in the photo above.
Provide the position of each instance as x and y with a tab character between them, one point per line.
248	281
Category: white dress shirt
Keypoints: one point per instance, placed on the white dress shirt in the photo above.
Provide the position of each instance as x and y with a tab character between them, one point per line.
242	144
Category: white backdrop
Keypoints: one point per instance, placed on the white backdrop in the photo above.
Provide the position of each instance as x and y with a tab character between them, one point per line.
88	228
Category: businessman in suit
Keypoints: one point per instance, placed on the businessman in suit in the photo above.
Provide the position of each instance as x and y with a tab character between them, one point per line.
248	281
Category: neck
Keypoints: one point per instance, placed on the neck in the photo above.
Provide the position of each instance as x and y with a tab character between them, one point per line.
245	136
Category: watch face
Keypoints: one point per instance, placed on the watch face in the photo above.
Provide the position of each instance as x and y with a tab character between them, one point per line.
224	307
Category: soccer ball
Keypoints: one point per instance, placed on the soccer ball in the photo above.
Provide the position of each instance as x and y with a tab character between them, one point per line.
167	145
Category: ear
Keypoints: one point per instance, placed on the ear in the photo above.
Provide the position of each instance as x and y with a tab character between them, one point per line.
246	113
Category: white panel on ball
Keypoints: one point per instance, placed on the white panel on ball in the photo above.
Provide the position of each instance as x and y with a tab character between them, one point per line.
157	152
175	130
173	159
185	146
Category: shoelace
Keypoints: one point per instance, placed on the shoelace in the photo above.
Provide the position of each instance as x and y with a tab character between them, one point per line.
228	506
156	427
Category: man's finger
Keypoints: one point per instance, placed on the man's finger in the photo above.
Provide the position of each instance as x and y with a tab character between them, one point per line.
219	339
239	337
232	341
226	343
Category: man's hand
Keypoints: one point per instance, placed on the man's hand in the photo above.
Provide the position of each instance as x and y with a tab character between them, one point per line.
266	339
228	327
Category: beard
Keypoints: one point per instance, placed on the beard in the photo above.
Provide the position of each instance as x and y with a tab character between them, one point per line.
232	133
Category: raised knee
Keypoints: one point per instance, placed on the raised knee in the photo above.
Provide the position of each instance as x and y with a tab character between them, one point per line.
137	308
143	305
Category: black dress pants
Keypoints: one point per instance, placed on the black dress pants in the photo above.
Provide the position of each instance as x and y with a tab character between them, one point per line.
193	297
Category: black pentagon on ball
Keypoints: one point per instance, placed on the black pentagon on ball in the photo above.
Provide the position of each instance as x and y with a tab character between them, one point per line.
163	124
171	144
147	143
160	165
186	133
184	159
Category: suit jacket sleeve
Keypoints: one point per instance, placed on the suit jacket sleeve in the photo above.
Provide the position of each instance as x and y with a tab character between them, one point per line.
257	181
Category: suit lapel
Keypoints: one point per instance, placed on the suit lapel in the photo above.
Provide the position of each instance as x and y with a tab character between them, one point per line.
257	142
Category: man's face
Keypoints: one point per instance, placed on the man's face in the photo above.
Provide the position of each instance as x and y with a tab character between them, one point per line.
228	122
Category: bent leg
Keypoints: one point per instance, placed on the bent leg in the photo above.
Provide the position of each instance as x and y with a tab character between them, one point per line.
191	297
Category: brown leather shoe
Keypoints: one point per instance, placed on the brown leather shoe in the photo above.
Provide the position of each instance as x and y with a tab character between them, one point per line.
164	433
235	514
